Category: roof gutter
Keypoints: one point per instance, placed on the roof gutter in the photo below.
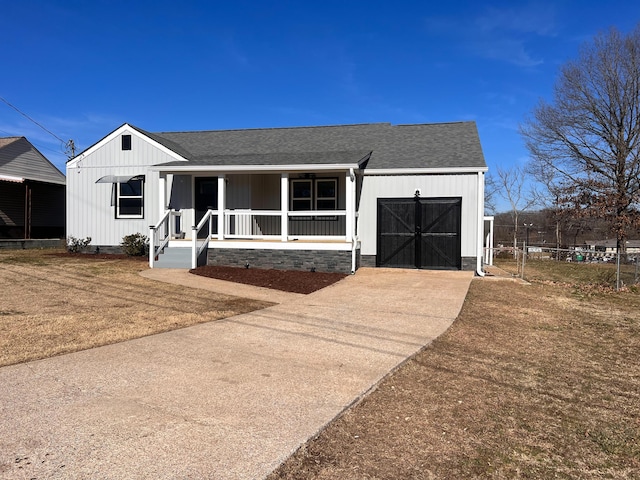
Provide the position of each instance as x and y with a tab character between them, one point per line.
9	178
418	171
254	168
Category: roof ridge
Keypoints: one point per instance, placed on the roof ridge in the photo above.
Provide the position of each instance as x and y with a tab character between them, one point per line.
279	128
458	122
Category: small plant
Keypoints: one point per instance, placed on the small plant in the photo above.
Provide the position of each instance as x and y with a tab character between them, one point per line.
77	245
135	245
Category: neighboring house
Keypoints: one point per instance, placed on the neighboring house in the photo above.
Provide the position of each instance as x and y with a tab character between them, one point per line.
325	198
32	192
609	246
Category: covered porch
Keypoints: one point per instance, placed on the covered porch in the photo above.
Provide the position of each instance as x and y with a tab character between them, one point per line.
245	214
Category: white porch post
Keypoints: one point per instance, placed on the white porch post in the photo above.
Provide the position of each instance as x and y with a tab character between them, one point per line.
350	205
284	206
222	194
162	195
488	256
152	245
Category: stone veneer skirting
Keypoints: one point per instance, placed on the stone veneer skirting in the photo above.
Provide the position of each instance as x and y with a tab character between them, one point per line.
320	260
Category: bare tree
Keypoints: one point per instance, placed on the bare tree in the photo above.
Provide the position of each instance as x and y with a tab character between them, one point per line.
490	191
587	143
511	185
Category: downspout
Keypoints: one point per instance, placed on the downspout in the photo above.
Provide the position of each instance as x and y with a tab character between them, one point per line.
353	233
480	234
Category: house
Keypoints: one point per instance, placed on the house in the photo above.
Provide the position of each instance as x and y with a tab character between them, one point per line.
32	192
326	198
609	246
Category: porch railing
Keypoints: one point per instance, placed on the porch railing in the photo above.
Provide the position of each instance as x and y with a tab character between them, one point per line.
267	224
262	224
199	245
159	234
248	224
317	224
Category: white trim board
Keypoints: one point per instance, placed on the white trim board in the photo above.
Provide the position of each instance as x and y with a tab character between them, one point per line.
126	128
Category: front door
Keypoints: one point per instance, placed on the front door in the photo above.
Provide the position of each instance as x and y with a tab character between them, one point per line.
205	196
419	233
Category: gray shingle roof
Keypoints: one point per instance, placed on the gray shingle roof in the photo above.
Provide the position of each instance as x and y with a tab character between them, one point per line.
18	158
441	145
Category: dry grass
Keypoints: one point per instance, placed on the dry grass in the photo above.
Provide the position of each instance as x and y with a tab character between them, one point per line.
531	381
53	305
580	274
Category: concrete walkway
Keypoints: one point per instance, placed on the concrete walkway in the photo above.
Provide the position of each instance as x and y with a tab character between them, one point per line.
229	399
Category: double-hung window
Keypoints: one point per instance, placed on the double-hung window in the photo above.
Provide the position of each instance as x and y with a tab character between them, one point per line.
130	199
326	194
314	194
302	194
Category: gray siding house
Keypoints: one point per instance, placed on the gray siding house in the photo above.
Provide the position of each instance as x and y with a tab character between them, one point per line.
32	192
328	198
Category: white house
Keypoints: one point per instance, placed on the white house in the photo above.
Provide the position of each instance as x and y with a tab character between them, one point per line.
326	198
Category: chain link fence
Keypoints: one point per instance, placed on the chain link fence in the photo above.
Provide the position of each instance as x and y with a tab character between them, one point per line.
576	265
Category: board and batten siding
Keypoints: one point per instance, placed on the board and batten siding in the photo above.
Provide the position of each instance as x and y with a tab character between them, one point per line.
431	186
89	209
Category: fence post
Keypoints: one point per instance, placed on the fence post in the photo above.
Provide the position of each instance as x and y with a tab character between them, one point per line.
618	269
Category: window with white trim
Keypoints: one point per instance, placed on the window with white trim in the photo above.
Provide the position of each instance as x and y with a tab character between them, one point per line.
130	199
302	194
326	194
314	194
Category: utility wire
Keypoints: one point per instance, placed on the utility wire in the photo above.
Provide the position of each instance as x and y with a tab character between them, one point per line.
31	119
69	146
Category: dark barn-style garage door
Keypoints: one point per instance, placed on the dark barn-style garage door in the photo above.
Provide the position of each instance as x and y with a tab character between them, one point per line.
419	233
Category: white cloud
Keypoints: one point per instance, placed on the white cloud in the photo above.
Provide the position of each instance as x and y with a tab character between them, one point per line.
537	19
506	34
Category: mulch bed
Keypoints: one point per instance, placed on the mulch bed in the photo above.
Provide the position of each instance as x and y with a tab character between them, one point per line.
286	280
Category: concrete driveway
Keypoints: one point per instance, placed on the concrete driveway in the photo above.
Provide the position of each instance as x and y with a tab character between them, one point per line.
229	399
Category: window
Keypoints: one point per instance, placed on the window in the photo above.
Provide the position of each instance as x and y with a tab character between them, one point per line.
126	142
326	194
314	194
130	199
301	194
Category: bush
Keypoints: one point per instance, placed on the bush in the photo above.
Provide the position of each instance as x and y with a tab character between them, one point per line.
135	245
77	245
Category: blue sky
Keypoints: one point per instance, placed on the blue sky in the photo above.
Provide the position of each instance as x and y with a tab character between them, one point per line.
83	68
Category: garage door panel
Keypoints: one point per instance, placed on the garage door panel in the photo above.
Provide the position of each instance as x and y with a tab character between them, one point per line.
396	238
419	233
439	252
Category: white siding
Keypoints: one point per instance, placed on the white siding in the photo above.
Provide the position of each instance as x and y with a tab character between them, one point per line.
404	186
265	192
239	191
89	209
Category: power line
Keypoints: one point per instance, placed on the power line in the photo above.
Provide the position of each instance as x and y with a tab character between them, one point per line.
32	120
70	148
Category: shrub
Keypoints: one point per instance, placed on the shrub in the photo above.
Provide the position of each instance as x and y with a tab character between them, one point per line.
135	245
77	245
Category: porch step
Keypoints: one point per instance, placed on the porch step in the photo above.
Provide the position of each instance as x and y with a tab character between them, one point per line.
174	257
